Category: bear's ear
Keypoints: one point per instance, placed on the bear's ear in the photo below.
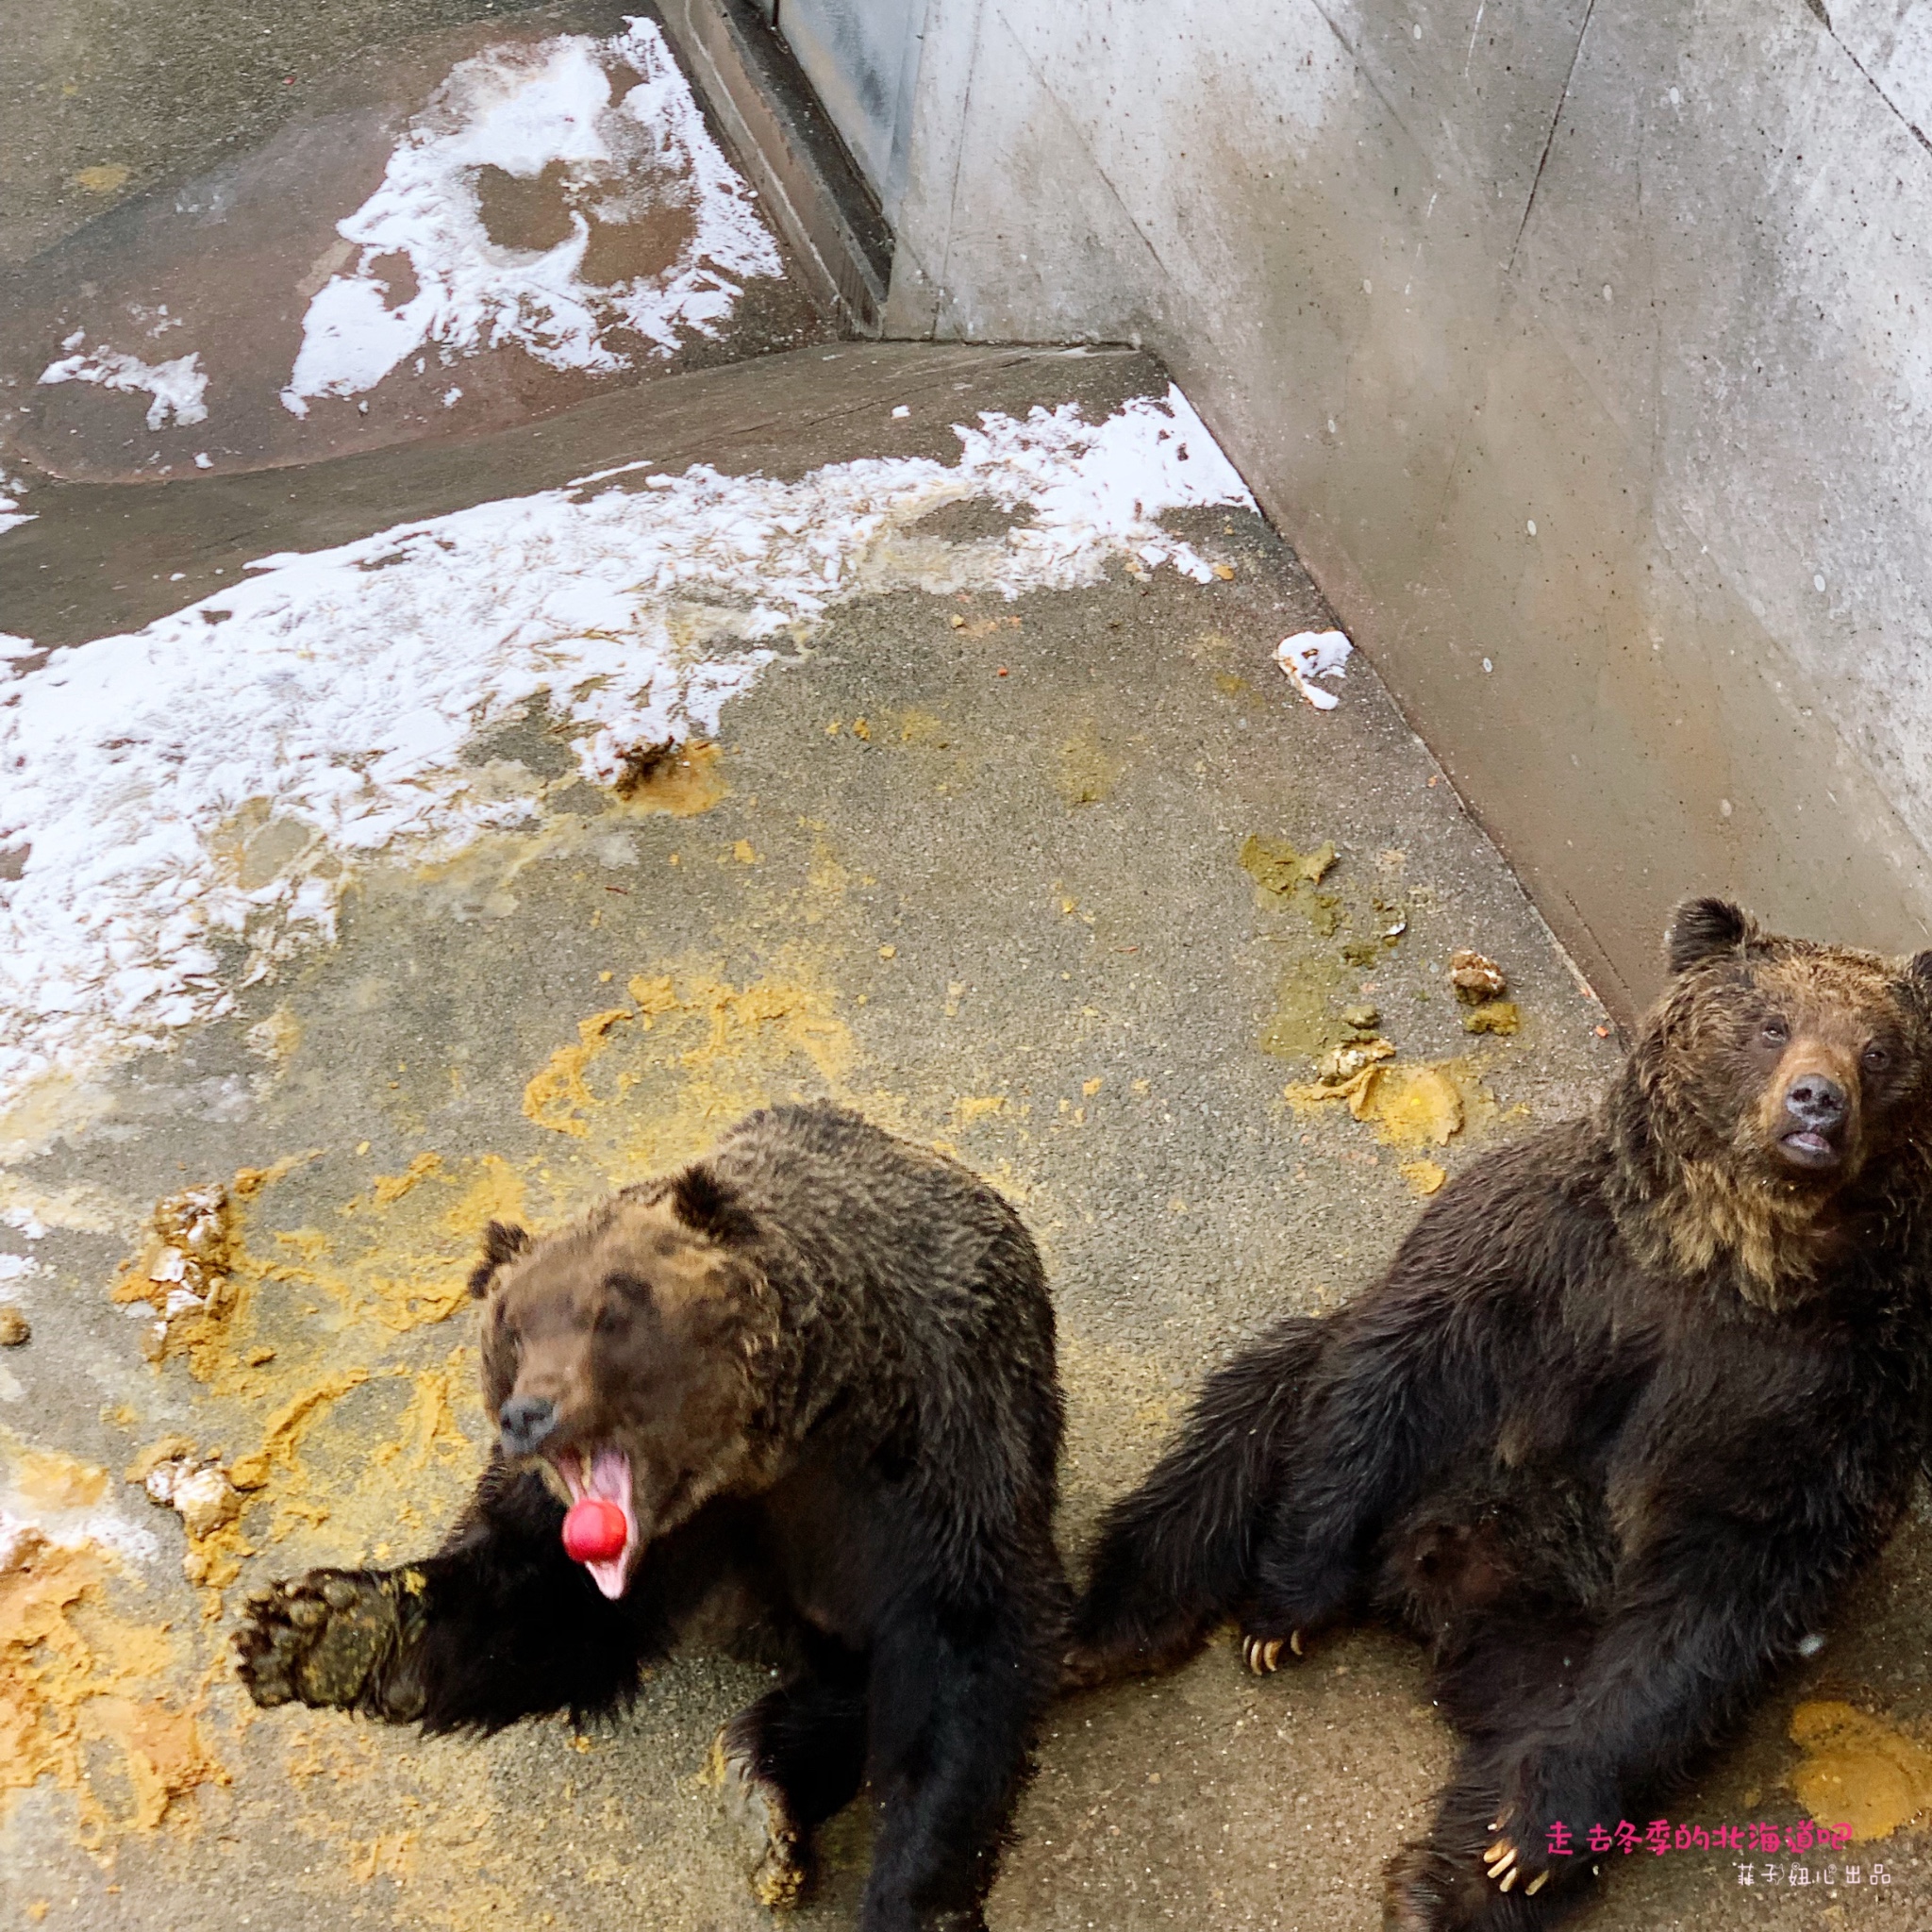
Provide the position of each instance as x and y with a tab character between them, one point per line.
707	1207
1701	928
503	1241
1919	971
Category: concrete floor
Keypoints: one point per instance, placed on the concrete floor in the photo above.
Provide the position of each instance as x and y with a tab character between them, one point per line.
971	866
108	99
1011	920
225	228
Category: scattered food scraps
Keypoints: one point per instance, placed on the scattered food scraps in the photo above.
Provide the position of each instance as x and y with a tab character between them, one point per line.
1476	978
1312	654
1089	768
1276	867
1492	1016
197	1488
388	1188
1424	1177
1410	1105
555	1096
1859	1769
14	1328
71	1684
1413	1107
667	776
183	1271
1301	1024
1341	1064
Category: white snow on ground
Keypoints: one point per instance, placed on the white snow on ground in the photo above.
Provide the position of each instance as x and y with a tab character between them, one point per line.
11	511
220	772
617	159
178	387
26	1526
1312	654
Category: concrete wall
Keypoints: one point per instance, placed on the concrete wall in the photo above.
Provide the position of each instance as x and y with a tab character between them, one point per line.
1584	349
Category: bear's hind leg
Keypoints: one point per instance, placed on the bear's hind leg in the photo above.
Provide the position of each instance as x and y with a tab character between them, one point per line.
783	1766
1177	1555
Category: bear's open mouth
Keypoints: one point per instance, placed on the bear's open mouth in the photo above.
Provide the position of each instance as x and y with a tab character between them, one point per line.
1808	1148
604	1473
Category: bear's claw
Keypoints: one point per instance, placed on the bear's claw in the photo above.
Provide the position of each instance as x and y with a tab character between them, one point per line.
1503	1868
775	1847
1263	1655
330	1639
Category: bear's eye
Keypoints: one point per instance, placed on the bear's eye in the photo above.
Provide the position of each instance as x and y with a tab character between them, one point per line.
1875	1060
1774	1032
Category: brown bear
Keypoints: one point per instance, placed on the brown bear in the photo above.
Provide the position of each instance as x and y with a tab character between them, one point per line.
1636	1399
814	1372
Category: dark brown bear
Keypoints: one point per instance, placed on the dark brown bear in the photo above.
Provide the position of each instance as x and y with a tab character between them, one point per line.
815	1372
1637	1397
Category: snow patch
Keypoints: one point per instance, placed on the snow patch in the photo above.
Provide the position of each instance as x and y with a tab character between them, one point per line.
25	1530
178	387
223	770
1312	654
11	511
610	138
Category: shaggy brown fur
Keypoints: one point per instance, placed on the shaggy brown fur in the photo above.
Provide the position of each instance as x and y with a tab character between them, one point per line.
1636	1399
1705	1182
816	1371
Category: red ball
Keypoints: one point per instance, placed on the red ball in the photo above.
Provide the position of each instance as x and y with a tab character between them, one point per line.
594	1530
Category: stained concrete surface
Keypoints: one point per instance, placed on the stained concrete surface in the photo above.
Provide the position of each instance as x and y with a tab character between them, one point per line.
223	261
780	415
1569	345
981	879
105	99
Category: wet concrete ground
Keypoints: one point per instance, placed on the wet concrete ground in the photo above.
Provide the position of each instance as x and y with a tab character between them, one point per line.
222	256
105	100
981	879
974	867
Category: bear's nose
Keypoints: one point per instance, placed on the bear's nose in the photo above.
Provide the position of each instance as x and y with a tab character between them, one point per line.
1815	1102
527	1420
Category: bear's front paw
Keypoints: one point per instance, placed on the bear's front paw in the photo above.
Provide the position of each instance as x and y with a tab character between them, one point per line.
326	1640
776	1847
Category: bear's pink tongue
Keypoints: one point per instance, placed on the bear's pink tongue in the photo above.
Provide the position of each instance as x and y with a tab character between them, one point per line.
606	1474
